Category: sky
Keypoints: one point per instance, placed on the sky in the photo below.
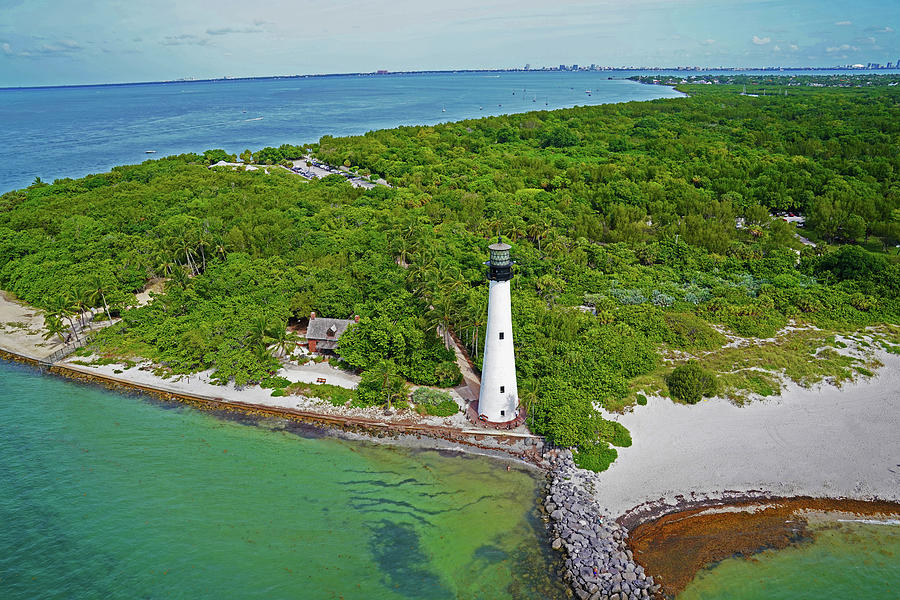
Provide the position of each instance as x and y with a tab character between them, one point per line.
62	42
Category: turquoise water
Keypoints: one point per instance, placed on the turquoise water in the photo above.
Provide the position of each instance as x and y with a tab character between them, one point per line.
104	495
844	560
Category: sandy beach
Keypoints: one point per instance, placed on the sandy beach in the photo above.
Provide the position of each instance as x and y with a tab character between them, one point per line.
22	329
824	442
199	384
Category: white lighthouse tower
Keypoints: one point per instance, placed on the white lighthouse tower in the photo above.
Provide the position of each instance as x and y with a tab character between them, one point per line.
499	398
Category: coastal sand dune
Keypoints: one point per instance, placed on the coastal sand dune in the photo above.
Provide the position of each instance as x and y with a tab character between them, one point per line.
820	442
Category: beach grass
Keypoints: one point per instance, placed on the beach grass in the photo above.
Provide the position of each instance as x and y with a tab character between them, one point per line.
333	394
762	367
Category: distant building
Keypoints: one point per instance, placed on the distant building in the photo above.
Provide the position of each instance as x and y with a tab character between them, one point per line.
382	72
527	66
563	68
323	334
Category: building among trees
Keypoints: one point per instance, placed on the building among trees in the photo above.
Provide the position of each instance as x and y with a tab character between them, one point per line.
323	334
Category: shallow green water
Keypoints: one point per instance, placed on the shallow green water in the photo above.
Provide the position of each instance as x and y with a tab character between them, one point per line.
104	495
844	560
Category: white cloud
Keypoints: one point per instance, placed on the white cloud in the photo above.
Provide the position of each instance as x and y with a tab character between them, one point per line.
777	48
885	29
60	47
184	39
708	42
795	47
228	30
761	41
841	48
844	23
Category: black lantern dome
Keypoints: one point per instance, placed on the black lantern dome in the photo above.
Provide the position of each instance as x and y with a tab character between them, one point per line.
500	264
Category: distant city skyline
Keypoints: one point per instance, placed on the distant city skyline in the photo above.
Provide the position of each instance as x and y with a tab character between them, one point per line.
50	42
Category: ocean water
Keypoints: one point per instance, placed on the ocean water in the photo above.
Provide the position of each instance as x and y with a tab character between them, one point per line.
73	131
105	495
844	560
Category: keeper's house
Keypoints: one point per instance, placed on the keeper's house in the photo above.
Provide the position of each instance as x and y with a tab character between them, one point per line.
323	334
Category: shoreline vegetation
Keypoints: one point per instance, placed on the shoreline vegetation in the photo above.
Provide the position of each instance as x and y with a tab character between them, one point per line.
672	325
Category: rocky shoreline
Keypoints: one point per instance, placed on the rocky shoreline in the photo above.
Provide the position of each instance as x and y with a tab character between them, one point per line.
598	564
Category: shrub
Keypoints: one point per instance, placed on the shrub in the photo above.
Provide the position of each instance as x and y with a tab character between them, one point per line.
382	384
447	374
690	382
275	382
614	433
642	400
596	456
558	136
446	408
424	395
660	299
336	395
279	392
684	330
852	262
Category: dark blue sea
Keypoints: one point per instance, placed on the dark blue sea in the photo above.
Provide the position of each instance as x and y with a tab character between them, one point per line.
73	131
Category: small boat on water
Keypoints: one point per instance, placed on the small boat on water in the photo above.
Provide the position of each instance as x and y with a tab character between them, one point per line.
149	151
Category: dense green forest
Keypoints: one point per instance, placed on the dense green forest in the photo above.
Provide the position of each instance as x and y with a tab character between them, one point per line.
643	235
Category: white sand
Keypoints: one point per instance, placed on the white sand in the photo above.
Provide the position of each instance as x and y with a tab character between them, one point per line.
821	442
200	385
22	328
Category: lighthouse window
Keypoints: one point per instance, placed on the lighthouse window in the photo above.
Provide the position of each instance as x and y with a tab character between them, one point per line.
501	335
502	388
502	413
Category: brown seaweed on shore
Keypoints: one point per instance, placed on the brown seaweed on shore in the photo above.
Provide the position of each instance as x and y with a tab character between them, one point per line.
674	547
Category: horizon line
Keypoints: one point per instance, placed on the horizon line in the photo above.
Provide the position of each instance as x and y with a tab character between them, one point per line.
381	73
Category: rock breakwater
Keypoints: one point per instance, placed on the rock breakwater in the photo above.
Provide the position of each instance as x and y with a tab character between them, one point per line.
598	564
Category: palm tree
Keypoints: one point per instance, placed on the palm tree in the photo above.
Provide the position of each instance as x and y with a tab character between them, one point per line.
179	277
283	340
77	299
515	230
537	231
260	333
54	327
476	315
444	302
204	240
99	292
186	248
59	306
163	264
